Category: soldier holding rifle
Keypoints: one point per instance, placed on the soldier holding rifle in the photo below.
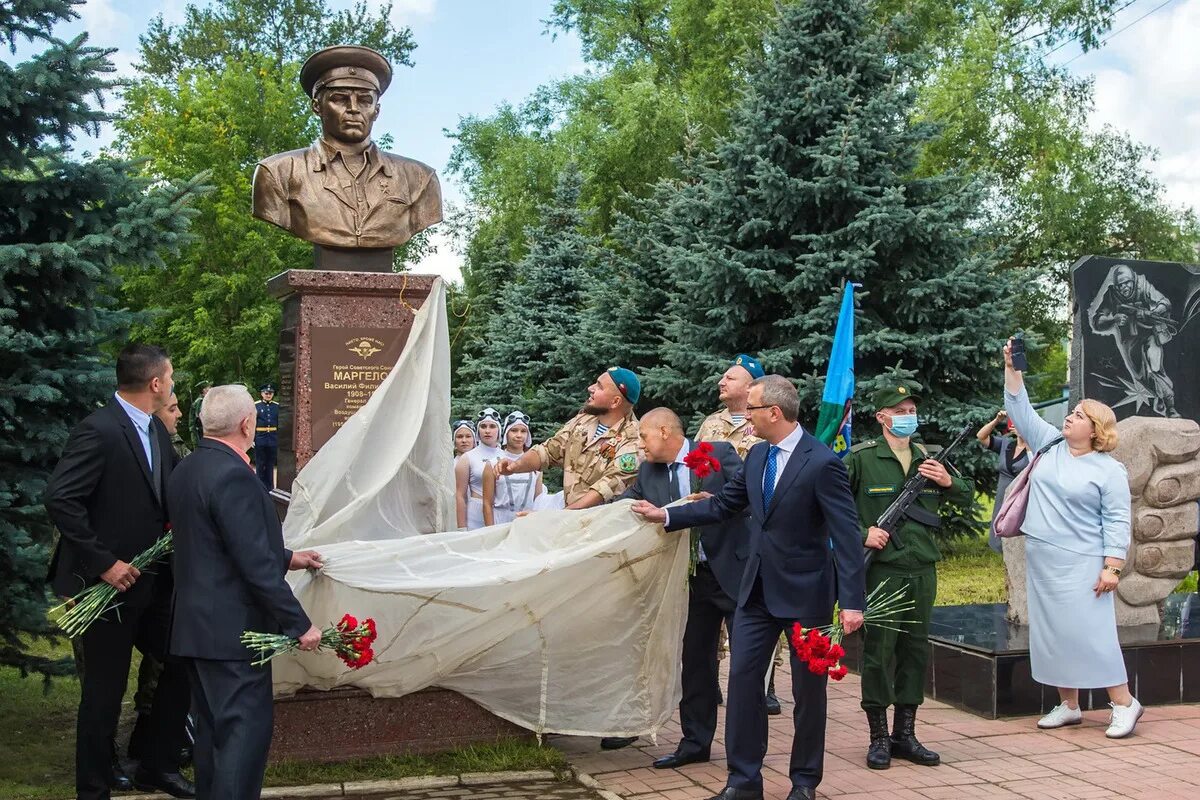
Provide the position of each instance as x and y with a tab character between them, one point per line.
894	661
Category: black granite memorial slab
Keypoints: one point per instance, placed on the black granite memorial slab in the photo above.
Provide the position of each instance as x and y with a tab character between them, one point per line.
1136	336
979	661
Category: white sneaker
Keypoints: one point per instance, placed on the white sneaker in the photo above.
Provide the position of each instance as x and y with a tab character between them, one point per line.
1123	720
1062	714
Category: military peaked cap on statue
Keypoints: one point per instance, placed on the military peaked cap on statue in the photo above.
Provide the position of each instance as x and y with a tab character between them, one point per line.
345	65
750	364
895	394
627	383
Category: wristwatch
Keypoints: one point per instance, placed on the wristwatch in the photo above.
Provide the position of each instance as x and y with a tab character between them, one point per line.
1114	570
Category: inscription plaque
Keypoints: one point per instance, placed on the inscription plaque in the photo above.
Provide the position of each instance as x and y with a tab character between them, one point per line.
348	364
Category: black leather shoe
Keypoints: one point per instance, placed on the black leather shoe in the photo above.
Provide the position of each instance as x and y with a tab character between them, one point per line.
773	708
730	793
679	759
172	783
616	742
802	793
119	782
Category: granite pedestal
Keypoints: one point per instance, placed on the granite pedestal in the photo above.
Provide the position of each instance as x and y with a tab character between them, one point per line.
342	333
979	661
342	724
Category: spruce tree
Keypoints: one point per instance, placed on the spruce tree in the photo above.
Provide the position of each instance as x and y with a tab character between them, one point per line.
815	185
64	225
523	361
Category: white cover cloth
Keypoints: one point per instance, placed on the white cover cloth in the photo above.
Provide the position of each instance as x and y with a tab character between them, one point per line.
562	621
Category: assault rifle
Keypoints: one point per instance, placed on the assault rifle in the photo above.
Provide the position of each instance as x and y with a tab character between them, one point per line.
905	505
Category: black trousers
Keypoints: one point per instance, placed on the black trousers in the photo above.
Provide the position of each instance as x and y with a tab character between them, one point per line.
755	634
234	712
708	607
107	649
264	464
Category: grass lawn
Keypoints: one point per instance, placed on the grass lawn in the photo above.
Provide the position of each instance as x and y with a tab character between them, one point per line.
37	740
970	572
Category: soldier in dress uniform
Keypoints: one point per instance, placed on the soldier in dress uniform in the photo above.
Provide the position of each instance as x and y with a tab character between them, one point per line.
266	436
194	423
878	469
597	449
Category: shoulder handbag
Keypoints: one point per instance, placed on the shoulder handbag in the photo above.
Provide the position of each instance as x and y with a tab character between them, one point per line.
1011	517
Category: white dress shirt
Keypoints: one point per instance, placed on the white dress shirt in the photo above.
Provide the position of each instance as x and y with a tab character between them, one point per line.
141	423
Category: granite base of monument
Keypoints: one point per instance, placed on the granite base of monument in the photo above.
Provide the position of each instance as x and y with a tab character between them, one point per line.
979	661
341	335
348	723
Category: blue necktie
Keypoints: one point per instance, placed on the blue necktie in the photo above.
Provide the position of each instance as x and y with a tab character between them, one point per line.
769	476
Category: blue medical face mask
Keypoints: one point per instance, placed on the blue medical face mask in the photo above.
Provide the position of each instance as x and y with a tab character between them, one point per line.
903	425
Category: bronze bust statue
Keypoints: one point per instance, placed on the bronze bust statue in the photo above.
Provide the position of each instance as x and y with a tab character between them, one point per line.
342	191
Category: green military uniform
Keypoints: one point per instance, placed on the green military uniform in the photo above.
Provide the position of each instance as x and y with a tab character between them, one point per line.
876	478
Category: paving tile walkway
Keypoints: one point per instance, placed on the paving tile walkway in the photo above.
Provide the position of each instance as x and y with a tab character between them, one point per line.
980	758
530	790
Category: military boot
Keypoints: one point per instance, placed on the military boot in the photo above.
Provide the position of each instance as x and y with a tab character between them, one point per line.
879	753
904	739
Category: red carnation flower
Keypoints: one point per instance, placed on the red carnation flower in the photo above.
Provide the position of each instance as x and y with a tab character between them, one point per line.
838	672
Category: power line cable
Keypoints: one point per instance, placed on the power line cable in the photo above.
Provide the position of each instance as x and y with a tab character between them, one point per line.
1075	38
1116	33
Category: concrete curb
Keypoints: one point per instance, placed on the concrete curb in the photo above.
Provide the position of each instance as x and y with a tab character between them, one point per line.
361	788
593	784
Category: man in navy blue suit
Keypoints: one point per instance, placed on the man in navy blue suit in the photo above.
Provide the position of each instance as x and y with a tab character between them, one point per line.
805	552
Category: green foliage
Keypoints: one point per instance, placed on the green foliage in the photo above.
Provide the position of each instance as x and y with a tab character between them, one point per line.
814	186
64	226
668	73
218	93
522	363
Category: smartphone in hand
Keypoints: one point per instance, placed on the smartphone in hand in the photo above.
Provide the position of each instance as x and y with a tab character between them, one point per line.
1020	362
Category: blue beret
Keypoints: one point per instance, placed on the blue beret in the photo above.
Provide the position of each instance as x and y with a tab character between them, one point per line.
750	364
627	383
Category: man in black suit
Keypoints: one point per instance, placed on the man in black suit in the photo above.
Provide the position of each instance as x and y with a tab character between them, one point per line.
230	562
800	504
663	478
107	497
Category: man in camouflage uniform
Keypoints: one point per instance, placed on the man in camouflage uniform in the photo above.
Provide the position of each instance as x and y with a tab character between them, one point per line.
730	425
894	661
598	449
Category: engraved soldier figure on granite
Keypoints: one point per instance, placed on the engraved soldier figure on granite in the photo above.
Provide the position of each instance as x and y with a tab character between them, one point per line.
1138	317
342	193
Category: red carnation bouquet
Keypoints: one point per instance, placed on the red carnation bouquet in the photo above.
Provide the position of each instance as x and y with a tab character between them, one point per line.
820	649
349	639
701	461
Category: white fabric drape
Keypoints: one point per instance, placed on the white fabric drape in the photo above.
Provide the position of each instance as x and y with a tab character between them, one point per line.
562	621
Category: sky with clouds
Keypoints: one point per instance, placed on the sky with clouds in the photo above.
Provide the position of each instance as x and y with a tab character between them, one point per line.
474	54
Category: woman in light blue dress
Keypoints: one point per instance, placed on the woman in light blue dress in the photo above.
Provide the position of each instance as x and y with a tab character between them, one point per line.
1076	538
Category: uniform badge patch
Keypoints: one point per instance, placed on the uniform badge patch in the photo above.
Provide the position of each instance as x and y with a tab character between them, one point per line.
627	462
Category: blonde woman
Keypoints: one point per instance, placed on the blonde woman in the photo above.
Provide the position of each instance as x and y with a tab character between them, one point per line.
1076	538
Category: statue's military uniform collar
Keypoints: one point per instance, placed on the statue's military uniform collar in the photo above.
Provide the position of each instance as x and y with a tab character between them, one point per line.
321	153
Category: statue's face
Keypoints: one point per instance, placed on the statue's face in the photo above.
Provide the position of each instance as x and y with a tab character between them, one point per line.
346	113
1125	284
